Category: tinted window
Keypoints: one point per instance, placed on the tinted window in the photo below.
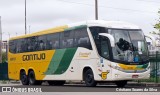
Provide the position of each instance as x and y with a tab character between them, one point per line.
28	44
52	41
35	43
12	46
101	42
24	45
19	48
32	43
67	38
103	48
96	30
82	38
42	42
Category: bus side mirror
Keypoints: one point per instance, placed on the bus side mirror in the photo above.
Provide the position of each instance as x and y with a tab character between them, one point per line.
110	37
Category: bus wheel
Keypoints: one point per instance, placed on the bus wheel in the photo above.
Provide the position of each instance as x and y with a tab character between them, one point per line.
24	78
89	78
32	80
121	83
57	83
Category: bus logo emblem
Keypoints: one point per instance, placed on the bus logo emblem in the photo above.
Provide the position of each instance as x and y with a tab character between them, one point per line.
104	75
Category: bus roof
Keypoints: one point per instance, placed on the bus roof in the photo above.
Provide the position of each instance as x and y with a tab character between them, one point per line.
109	24
48	31
89	23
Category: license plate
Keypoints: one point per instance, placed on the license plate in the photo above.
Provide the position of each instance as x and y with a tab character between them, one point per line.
134	76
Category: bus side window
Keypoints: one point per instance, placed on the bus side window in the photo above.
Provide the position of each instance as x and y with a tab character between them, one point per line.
22	45
48	45
30	44
82	38
66	39
26	44
12	46
52	41
96	30
42	42
18	46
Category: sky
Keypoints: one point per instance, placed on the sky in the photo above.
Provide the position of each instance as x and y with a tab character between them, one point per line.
44	14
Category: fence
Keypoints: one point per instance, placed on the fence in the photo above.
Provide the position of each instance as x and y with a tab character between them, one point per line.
155	68
4	71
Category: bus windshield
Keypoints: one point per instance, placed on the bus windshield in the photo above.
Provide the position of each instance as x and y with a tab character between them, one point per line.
130	45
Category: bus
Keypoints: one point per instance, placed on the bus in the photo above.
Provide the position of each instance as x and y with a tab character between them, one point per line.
91	51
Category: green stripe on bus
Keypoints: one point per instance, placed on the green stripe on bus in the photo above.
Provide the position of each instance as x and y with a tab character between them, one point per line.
66	60
60	61
56	59
145	66
142	66
75	27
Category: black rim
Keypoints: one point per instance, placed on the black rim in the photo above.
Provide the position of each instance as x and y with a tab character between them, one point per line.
23	78
89	78
31	78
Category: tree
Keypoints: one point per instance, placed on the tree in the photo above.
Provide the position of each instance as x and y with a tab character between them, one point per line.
4	57
157	25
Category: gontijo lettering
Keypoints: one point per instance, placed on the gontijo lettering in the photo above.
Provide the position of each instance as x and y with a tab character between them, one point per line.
84	54
30	57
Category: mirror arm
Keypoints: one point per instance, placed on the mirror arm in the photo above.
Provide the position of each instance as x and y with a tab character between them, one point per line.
152	38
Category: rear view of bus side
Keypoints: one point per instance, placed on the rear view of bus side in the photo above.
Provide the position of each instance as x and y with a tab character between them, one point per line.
90	51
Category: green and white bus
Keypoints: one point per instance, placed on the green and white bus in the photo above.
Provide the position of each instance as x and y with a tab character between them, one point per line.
91	51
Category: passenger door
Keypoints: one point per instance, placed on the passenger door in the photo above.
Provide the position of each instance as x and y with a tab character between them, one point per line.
105	53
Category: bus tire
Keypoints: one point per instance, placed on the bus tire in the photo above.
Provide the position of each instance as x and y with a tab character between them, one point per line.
121	83
32	79
24	78
89	78
57	83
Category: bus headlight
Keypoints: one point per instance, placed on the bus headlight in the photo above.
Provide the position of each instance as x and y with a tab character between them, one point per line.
115	67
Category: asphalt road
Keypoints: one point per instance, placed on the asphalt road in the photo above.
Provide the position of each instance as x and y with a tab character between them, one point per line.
83	88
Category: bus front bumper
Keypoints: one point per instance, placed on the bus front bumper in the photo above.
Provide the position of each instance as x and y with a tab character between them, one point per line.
120	75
